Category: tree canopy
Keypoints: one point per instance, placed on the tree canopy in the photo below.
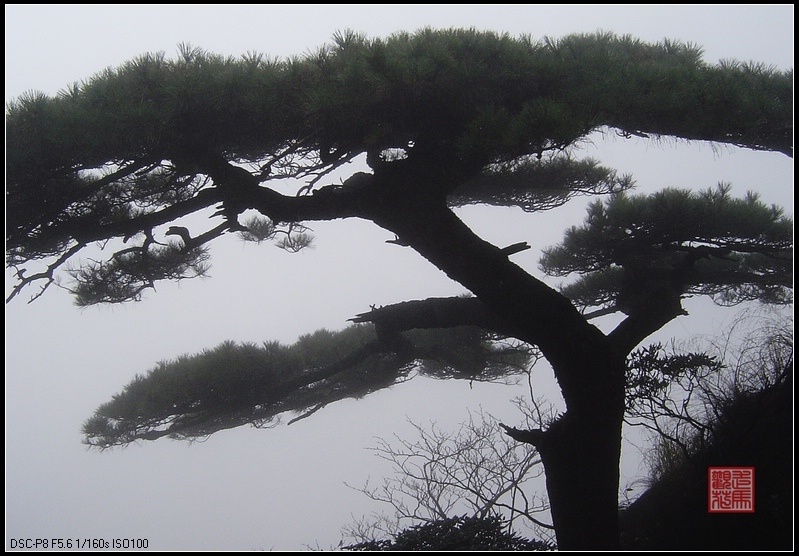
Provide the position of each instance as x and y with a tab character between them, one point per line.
141	145
683	242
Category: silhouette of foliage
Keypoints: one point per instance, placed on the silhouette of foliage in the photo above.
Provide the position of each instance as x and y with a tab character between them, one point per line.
233	385
132	148
739	416
456	534
680	241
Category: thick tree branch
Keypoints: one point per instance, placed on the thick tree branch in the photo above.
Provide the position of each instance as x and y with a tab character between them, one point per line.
442	312
128	228
545	317
241	190
637	327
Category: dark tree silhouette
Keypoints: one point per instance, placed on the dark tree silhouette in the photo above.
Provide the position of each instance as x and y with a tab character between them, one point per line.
442	119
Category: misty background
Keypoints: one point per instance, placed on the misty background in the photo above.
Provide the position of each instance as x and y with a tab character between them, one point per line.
284	488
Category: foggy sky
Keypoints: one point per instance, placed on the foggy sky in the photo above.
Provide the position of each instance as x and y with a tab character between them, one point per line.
283	488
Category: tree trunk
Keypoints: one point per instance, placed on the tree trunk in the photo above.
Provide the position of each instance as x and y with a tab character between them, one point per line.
581	461
580	451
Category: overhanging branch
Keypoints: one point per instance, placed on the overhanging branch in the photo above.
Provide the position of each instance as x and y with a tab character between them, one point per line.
441	312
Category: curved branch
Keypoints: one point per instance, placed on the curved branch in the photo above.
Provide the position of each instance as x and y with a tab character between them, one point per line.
194	242
637	327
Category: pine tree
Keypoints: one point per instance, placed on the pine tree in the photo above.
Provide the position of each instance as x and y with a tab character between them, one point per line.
442	119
